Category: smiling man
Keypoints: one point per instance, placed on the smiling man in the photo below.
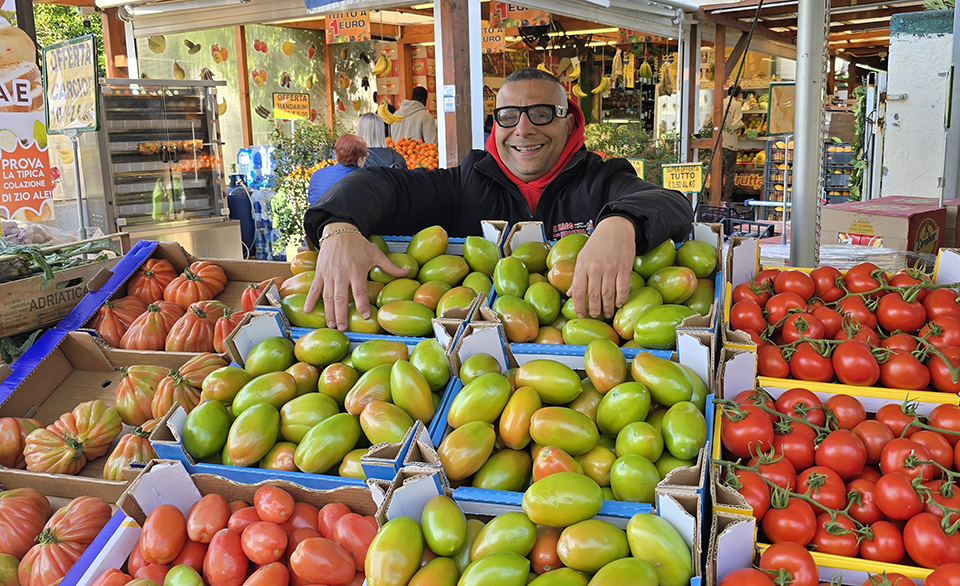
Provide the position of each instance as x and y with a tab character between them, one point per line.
534	168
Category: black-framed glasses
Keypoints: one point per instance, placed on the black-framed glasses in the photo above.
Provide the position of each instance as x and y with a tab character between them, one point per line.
537	114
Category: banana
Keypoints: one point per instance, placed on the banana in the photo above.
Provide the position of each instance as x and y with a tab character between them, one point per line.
382	66
66	156
222	107
384	112
356	104
543	67
604	86
574	73
579	92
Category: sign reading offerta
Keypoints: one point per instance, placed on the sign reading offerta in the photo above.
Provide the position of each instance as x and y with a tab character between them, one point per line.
26	186
70	82
291	106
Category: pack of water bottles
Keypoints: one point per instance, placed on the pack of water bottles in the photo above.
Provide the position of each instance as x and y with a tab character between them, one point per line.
256	165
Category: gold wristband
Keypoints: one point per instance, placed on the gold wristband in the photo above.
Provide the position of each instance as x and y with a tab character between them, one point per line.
335	232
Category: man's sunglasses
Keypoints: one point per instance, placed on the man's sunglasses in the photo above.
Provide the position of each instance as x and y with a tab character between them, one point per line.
537	114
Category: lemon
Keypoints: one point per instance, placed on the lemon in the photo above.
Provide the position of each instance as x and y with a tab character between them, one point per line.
287	48
8	140
40	134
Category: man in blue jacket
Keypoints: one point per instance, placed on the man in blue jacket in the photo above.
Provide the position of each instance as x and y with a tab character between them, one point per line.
535	167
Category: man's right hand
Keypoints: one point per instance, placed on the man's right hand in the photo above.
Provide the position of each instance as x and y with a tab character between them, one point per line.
343	263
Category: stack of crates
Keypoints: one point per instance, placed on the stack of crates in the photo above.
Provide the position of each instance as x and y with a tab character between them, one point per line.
777	177
837	168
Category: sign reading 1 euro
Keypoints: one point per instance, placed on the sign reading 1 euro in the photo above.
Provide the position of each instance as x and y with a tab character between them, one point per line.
348	27
70	85
291	106
683	177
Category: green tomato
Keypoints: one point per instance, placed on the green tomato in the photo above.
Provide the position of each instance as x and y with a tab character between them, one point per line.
206	428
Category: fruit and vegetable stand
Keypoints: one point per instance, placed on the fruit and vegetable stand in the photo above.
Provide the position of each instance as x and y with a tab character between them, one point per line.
445	429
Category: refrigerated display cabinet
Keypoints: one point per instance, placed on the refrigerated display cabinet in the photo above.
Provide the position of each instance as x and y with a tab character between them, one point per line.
163	166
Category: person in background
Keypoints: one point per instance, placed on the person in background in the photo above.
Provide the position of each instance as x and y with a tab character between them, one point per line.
487	127
370	129
417	121
731	144
350	151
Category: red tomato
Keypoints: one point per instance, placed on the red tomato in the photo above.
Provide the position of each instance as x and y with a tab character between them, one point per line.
928	544
942	331
273	504
829	542
155	572
750	291
241	519
543	556
318	560
275	574
794	559
892	579
859	333
865	510
940	449
746	577
945	575
886	544
801	403
164	533
304	515
747	314
824	486
940	375
854	363
802	323
225	563
825	278
809	365
136	560
780	305
797	445
328	517
893	416
847	409
893	313
797	282
831	320
237	505
874	435
842	451
942	303
795	523
780	472
896	497
757	397
770	362
766	278
754	490
354	534
864	277
855	310
294	539
745	432
209	515
947	495
755	336
112	577
894	459
946	417
909	277
904	342
902	370
263	542
191	555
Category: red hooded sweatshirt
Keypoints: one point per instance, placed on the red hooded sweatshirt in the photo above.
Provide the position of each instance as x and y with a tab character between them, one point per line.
531	191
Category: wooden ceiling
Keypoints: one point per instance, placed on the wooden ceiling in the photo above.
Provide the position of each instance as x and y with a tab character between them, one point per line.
859	29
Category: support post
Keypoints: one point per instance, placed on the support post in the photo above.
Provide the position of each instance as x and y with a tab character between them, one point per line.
808	133
114	43
452	23
716	172
328	81
692	79
243	76
951	170
25	18
404	55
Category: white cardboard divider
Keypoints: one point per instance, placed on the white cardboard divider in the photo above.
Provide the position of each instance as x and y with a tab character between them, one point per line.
523	232
948	266
258	326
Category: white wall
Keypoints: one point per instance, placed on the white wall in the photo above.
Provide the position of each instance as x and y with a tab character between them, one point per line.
914	142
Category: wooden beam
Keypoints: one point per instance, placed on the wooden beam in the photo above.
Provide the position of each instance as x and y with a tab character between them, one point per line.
90	3
760	30
243	75
693	65
455	44
412	39
878	25
328	75
114	43
716	171
879	42
873	14
851	36
735	56
404	55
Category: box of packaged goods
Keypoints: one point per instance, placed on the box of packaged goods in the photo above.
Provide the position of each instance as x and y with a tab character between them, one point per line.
877	222
471	536
203	528
85	410
306	411
950	205
863	481
41	284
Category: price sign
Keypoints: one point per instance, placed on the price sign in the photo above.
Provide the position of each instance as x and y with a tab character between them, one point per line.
683	177
638	165
291	106
348	27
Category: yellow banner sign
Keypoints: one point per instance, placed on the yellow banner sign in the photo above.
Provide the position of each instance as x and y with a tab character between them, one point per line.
291	106
507	15
70	75
348	27
638	165
493	40
683	177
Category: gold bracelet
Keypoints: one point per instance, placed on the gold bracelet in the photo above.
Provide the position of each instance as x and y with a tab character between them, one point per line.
335	232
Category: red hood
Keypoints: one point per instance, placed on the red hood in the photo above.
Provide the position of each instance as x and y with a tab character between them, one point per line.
574	142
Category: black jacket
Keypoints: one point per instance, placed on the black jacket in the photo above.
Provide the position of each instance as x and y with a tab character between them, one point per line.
401	202
384	157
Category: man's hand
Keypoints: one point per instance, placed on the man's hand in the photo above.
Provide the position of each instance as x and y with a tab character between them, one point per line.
601	280
343	262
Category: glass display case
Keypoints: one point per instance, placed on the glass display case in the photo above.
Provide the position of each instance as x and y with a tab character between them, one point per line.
162	164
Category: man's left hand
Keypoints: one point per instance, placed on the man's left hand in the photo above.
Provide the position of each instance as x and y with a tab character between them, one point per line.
601	280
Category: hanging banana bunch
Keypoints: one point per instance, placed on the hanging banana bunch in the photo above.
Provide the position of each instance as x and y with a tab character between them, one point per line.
646	72
602	87
574	72
384	112
579	92
382	66
544	68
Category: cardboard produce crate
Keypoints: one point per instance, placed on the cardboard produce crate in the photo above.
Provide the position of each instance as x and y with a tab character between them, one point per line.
879	223
951	205
74	370
166	482
25	305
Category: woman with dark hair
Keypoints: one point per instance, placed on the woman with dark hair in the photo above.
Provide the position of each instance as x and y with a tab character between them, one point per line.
350	151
